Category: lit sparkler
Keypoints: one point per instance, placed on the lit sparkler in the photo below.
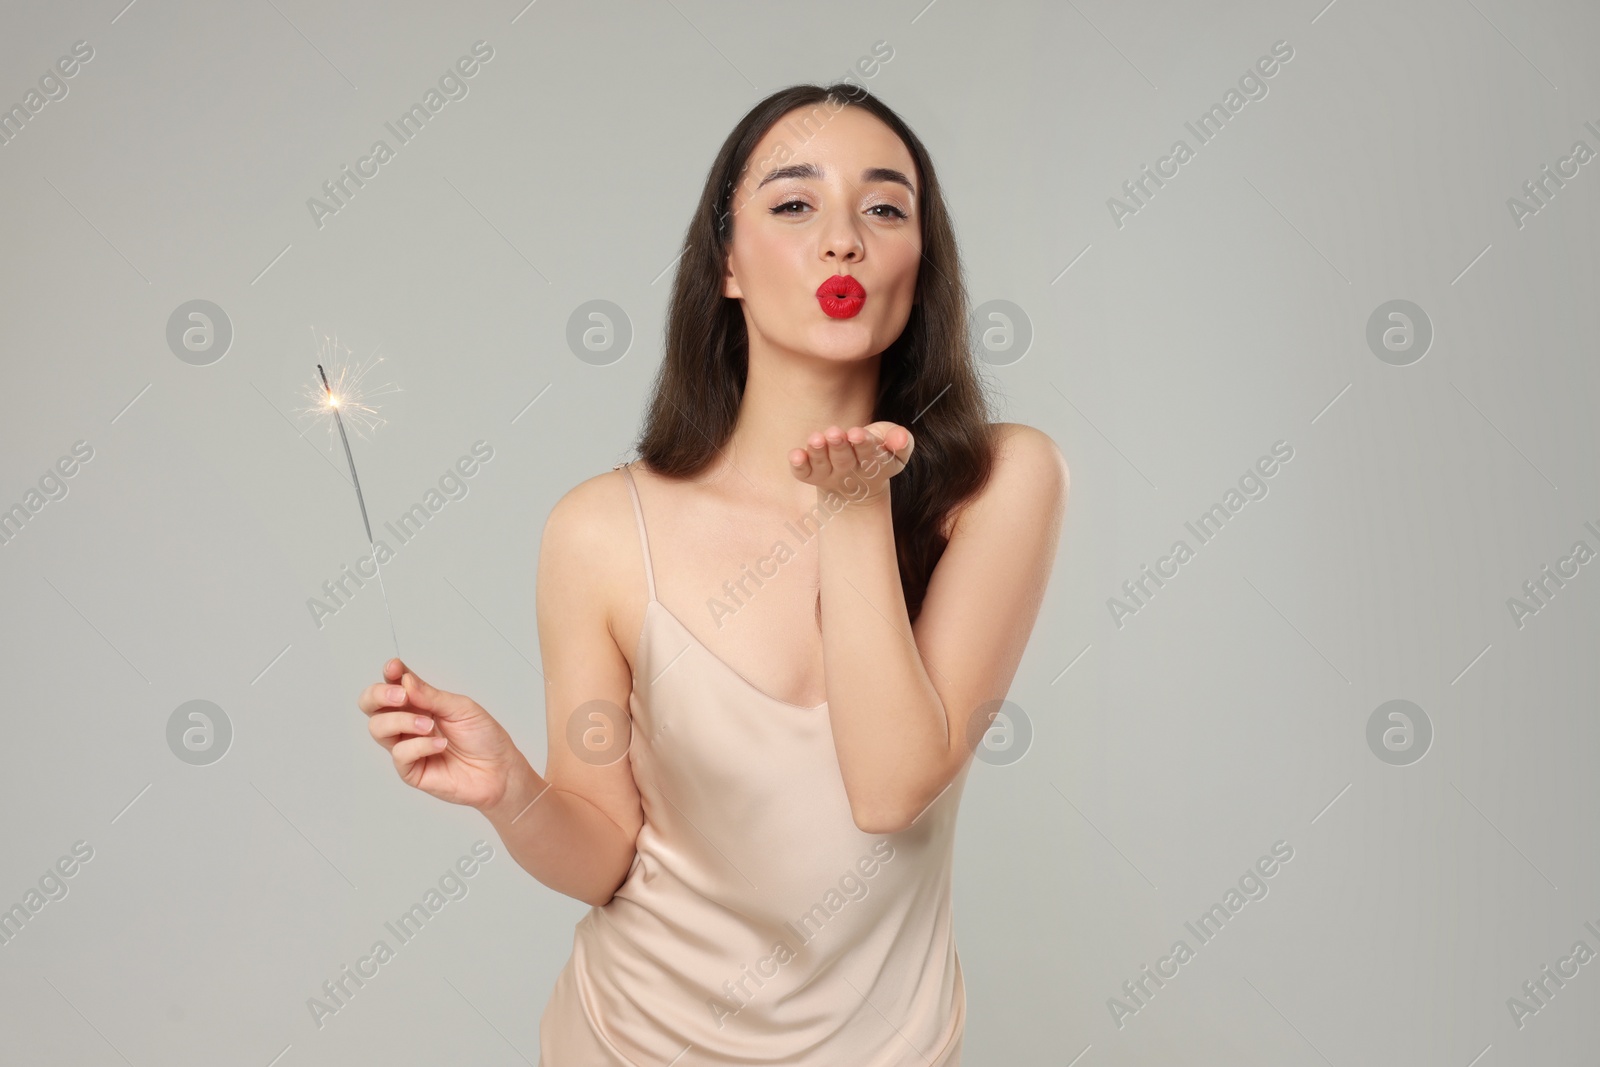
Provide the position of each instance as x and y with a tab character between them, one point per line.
348	397
348	384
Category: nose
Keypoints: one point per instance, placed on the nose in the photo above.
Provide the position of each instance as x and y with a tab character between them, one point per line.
841	239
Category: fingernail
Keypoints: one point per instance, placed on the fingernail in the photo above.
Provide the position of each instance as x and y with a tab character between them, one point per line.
397	695
440	742
423	722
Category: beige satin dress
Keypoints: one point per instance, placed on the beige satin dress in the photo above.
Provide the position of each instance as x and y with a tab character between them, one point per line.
758	924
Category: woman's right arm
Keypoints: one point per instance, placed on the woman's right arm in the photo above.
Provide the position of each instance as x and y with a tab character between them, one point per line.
574	827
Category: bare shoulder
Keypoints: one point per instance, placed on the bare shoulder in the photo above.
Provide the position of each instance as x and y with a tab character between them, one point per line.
587	547
588	499
582	521
1030	479
1029	450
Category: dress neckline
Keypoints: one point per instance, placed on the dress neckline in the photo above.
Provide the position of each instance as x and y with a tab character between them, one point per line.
650	587
718	660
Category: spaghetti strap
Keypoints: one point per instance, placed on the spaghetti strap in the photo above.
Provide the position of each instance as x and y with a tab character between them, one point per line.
644	540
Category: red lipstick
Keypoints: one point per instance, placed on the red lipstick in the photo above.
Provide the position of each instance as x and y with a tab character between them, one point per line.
841	296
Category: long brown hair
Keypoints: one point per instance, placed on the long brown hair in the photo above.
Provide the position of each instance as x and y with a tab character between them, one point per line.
927	379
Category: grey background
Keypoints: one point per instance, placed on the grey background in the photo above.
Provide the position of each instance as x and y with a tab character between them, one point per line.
1169	752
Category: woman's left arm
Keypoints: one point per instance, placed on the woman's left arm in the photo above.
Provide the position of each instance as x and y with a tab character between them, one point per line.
901	698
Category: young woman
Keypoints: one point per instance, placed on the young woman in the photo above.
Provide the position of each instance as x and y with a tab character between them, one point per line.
772	642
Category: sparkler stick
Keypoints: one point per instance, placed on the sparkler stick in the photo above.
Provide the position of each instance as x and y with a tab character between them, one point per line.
333	403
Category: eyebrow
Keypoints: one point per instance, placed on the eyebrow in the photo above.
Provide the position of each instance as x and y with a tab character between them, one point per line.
811	170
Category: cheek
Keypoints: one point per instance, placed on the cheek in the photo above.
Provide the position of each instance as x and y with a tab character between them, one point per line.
903	260
769	261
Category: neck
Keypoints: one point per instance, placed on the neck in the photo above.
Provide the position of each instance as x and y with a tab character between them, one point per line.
787	397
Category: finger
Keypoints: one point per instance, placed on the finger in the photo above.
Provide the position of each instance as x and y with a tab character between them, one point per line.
867	446
392	726
800	463
394	669
426	698
817	453
893	436
408	752
379	696
896	442
903	443
841	454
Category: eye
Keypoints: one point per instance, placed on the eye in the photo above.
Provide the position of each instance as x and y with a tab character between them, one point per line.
782	209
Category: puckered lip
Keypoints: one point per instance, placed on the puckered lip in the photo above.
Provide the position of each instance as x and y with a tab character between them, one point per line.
841	285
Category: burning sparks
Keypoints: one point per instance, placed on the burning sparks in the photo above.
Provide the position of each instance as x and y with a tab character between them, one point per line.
344	388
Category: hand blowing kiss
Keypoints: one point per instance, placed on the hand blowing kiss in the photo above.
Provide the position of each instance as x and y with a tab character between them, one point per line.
840	461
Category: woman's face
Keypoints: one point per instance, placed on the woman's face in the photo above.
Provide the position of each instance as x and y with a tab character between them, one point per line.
820	196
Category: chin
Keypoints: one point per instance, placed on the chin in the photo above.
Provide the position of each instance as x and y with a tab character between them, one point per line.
843	340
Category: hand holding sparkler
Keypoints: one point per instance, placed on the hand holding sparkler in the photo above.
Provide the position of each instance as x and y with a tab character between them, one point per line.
444	744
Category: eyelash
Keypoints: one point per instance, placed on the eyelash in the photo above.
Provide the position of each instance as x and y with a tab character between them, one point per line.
779	210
